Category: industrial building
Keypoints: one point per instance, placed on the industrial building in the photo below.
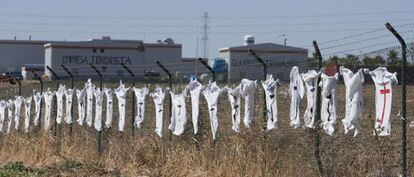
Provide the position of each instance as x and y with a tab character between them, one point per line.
15	53
108	54
279	58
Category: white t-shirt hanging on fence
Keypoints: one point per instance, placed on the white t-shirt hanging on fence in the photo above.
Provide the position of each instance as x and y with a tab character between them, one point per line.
59	100
247	89
329	102
383	81
81	98
311	82
234	98
140	94
37	97
98	109
270	87
69	101
17	105
353	98
179	113
109	107
195	88
296	91
158	97
3	105
89	102
211	93
27	106
48	96
121	93
10	107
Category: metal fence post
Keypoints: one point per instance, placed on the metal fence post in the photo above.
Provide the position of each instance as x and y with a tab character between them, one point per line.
133	98
212	72
404	97
71	86
19	84
57	126
41	102
169	83
260	60
318	113
99	138
69	73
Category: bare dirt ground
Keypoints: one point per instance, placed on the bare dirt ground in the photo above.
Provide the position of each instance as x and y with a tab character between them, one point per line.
253	152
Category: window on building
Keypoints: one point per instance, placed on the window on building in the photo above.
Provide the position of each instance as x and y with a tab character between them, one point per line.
102	50
104	68
94	50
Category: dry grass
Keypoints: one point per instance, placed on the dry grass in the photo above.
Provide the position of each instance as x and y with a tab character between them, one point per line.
282	152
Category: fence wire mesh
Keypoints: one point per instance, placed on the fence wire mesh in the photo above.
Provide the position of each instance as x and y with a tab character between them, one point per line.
284	151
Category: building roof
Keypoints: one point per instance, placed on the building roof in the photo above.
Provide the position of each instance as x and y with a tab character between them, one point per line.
266	47
108	43
23	42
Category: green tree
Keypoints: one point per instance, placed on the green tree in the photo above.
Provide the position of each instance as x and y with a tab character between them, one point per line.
376	61
349	60
392	59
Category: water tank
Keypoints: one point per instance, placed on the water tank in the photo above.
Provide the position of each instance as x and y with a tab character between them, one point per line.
248	40
168	41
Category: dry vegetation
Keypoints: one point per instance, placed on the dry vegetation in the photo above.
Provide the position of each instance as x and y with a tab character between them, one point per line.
282	152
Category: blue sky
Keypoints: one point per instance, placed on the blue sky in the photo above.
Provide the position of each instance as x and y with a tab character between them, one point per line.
300	21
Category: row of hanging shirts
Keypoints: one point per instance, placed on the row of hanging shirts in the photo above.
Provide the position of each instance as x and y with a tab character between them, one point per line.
308	82
298	86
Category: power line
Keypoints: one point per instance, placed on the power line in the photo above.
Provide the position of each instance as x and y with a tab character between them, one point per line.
194	26
186	32
316	15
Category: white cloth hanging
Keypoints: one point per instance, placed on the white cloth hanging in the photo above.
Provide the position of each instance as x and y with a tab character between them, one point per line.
179	113
247	89
3	105
81	98
383	81
48	96
17	109
311	82
140	94
109	107
195	88
296	91
353	98
27	106
98	109
121	93
211	93
69	101
89	102
270	87
37	97
234	99
329	102
158	97
59	101
10	107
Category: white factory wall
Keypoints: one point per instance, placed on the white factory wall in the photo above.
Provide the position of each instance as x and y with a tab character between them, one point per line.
108	61
242	65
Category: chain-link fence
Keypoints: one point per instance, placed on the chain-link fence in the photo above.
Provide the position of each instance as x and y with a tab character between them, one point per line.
284	151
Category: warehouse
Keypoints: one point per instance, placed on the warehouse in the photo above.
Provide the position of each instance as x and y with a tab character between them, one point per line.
14	53
279	58
107	55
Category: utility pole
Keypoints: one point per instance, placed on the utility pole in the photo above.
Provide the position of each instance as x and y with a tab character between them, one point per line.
205	35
